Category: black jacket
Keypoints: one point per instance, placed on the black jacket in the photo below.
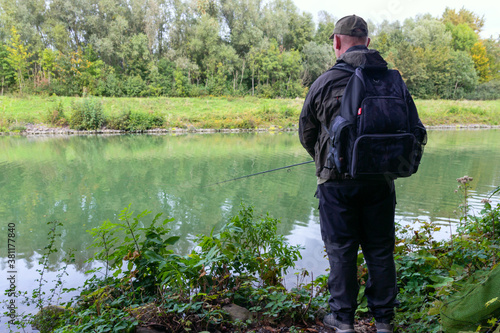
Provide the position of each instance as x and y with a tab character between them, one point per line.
323	102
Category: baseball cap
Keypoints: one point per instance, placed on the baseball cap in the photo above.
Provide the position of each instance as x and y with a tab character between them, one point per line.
351	25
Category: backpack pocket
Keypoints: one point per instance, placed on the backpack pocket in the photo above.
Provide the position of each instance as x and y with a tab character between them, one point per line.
383	114
341	135
394	155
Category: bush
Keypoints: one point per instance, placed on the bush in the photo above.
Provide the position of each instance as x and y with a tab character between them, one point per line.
87	115
197	91
135	121
56	116
60	87
143	279
135	86
111	86
486	91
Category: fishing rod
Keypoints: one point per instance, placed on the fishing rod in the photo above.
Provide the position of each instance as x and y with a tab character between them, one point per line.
259	173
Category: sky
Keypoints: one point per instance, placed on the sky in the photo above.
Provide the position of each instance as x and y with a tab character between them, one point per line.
399	10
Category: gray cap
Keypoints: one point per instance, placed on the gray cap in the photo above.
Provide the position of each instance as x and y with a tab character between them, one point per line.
351	26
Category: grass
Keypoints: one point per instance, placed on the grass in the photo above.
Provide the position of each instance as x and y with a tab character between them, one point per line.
229	112
447	112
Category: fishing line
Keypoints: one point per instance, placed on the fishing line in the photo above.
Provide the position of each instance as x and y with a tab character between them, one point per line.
258	173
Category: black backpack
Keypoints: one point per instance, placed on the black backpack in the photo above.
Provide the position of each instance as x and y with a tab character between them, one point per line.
378	131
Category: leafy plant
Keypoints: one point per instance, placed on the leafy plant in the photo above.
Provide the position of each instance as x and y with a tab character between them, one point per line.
87	115
144	281
252	248
48	316
464	187
56	116
430	272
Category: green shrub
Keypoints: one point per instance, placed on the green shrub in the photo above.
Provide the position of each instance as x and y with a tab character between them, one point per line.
110	85
56	116
87	115
135	86
266	91
17	128
486	91
135	121
141	277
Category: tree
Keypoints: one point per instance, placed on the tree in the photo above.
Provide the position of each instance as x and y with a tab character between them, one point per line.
18	57
7	73
276	16
136	55
193	47
463	37
426	32
493	53
410	61
28	16
326	23
242	20
68	17
463	77
463	16
481	62
316	60
290	83
300	31
387	37
47	59
204	45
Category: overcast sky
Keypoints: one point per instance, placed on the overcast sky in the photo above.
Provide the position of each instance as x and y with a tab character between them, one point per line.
399	10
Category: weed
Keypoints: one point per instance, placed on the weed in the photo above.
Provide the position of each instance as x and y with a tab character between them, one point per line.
56	116
17	128
87	115
48	316
464	187
430	271
134	121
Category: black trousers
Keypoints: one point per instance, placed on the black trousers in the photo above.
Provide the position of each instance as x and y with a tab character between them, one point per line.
354	213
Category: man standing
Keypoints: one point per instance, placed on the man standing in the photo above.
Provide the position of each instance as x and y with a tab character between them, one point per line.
353	212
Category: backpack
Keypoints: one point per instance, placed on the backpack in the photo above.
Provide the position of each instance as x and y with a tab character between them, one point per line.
378	131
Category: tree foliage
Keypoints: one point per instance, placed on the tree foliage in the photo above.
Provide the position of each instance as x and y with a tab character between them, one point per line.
221	47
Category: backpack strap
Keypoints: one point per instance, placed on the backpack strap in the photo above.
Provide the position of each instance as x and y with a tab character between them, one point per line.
343	66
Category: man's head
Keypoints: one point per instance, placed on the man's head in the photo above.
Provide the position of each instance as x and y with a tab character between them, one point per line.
349	31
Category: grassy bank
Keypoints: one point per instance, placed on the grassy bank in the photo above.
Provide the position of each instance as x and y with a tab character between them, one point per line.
211	112
141	281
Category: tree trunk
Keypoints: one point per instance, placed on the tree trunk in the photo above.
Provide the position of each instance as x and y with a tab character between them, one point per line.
234	80
19	75
253	82
242	72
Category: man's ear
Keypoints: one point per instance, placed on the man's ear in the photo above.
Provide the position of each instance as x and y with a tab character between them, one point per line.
337	43
368	40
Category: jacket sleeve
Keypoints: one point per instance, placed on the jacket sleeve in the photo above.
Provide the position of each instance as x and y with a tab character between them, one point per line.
309	125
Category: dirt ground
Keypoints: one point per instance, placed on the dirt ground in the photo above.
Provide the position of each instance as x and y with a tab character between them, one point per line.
361	326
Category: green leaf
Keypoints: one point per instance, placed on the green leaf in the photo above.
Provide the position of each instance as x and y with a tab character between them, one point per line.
172	240
153	255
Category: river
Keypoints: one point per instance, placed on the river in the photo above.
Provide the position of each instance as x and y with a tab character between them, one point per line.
81	181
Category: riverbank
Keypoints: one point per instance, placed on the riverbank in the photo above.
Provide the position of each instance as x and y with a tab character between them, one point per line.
55	115
232	282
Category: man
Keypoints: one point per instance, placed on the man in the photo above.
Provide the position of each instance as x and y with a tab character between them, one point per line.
352	212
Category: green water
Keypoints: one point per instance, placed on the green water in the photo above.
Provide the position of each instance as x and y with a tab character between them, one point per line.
84	180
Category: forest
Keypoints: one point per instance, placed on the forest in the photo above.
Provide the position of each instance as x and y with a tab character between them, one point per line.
193	48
